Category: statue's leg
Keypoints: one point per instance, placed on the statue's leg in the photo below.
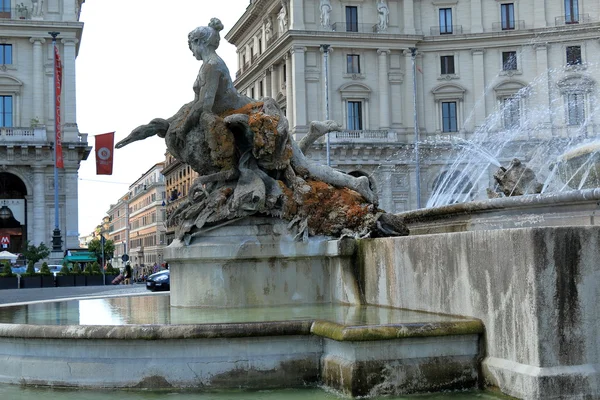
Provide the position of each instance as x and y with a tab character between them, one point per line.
317	129
332	176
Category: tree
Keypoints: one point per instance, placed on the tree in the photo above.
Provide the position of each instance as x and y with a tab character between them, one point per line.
96	247
36	253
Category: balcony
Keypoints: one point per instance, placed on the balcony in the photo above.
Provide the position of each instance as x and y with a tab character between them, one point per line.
23	135
446	30
351	27
364	136
572	19
15	13
508	26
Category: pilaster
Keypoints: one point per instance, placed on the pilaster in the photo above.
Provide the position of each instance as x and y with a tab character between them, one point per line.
38	78
69	110
71	225
543	90
40	233
408	14
384	89
383	176
296	14
540	14
476	16
299	76
479	86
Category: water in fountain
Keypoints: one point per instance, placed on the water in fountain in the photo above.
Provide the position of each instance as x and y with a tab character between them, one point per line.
532	139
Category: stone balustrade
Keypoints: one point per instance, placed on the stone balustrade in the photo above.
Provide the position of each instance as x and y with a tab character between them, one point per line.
19	134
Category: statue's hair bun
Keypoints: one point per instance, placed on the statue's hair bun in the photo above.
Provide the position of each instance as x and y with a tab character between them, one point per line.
216	24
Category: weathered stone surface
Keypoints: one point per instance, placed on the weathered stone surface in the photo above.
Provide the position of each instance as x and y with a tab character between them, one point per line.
535	289
515	180
249	164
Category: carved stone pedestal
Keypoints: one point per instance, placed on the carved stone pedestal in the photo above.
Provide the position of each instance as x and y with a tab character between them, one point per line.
256	262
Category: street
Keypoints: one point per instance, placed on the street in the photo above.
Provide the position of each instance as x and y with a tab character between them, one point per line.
11	296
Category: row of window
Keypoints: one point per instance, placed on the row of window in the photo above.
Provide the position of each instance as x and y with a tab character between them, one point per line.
511	113
509	60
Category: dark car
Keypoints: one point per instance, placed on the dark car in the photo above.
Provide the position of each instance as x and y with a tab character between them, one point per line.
159	281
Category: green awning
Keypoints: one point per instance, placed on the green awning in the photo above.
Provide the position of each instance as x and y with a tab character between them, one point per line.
87	257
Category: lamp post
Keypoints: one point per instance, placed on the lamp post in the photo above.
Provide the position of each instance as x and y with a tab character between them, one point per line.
325	50
413	53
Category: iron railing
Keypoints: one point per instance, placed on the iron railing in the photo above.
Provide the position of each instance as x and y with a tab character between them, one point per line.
446	30
351	27
572	19
508	26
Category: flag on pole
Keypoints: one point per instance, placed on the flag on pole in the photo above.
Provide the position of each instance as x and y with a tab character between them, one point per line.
104	153
57	122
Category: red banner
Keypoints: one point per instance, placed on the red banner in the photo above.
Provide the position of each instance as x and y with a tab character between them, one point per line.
57	124
104	153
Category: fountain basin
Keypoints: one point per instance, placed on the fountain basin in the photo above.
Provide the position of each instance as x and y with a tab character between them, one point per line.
536	289
355	350
571	208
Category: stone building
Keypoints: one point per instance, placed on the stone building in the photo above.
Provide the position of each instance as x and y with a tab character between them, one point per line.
178	179
27	122
118	230
146	212
480	66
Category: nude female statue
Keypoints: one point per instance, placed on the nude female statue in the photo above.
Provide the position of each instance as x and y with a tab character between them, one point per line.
243	169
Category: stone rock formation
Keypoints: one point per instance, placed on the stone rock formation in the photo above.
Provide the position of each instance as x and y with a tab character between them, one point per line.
516	180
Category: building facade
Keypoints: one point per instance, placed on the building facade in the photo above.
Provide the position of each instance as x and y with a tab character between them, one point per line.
27	122
147	215
178	180
479	66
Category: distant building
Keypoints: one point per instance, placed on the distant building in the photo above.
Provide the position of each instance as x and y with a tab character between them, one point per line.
118	230
147	216
27	121
178	179
474	59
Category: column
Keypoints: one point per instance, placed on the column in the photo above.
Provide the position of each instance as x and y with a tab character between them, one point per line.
479	86
257	89
69	109
256	48
274	81
40	232
71	223
543	90
476	16
409	17
38	79
289	92
540	14
299	103
384	90
296	15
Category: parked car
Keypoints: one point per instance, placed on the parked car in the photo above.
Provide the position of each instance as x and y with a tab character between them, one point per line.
18	270
159	281
55	269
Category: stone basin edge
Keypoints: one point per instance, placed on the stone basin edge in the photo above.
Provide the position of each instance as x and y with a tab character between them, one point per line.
504	204
350	333
323	328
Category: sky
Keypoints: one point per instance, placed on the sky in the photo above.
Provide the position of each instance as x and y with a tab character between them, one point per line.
134	65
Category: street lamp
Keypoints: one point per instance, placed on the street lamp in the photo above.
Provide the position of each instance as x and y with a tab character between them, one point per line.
325	50
413	53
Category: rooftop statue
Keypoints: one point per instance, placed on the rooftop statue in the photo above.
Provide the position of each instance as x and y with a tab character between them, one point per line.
249	164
